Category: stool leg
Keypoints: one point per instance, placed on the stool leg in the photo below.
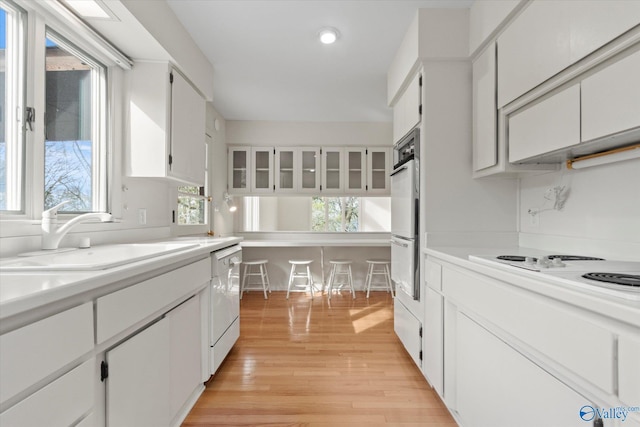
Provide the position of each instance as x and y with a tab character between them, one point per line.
293	269
368	281
266	275
353	291
244	281
310	281
332	274
389	283
264	284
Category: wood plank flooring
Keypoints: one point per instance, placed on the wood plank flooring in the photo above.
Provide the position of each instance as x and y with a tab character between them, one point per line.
303	362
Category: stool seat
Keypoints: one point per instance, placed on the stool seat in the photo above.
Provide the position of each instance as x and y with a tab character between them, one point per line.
340	267
379	267
264	283
295	274
256	262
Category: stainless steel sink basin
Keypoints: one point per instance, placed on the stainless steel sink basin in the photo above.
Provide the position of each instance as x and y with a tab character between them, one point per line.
95	258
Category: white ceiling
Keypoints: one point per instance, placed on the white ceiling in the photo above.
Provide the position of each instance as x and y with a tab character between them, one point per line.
269	65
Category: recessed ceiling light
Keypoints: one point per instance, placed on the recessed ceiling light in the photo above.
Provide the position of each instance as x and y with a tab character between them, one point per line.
328	35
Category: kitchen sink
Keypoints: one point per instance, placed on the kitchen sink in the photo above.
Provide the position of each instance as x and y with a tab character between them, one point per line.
95	258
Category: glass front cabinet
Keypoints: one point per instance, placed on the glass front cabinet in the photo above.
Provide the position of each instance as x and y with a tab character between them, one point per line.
309	170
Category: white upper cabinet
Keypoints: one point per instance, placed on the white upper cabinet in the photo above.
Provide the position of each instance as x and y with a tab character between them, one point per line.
332	170
611	99
550	125
356	173
549	36
378	170
406	112
166	125
239	170
309	172
485	140
262	170
297	170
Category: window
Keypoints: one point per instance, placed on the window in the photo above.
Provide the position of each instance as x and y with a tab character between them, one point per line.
74	151
191	206
11	102
335	214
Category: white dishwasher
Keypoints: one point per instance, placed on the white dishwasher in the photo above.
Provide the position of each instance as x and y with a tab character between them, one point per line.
225	303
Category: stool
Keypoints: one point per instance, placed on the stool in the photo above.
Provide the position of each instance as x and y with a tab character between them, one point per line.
262	273
340	268
383	270
300	274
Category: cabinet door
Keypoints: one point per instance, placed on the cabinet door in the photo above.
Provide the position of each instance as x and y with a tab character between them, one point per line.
406	112
356	170
434	340
262	170
485	141
611	99
185	355
332	170
188	150
286	168
378	170
550	125
239	170
497	386
628	372
309	178
139	379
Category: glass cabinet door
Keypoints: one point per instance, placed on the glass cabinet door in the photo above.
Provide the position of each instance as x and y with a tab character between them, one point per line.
356	170
239	169
262	159
332	170
378	170
309	171
286	164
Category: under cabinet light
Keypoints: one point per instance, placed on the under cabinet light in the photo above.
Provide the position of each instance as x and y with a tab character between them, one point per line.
328	35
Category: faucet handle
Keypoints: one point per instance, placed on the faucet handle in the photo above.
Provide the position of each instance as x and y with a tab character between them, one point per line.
52	213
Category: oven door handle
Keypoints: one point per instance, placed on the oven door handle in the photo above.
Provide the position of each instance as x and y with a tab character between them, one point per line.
397	171
404	245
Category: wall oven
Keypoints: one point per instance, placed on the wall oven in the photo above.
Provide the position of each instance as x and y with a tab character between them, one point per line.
405	193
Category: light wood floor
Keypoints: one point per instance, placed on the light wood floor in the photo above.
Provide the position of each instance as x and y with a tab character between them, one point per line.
314	363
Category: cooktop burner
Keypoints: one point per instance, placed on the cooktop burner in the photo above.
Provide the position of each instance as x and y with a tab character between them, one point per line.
520	258
615	278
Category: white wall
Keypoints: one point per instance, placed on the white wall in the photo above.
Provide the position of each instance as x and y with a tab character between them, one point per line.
601	216
294	213
375	214
283	134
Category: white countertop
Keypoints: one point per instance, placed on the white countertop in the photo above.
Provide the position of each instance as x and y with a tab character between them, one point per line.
314	243
24	291
620	309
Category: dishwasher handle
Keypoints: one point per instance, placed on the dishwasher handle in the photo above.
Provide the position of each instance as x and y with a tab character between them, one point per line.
397	243
235	261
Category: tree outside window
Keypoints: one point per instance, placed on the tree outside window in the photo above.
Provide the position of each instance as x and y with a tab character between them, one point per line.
336	214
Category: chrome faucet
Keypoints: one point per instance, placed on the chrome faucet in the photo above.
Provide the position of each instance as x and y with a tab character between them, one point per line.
52	235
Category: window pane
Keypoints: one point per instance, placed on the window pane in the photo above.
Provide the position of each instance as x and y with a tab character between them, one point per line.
191	209
11	101
69	143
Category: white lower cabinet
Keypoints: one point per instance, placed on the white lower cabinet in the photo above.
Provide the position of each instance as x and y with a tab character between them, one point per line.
138	384
156	372
61	403
433	363
497	386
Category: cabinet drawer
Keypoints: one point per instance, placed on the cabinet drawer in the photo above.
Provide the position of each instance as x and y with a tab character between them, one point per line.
547	126
60	403
433	274
29	354
611	99
561	334
118	311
